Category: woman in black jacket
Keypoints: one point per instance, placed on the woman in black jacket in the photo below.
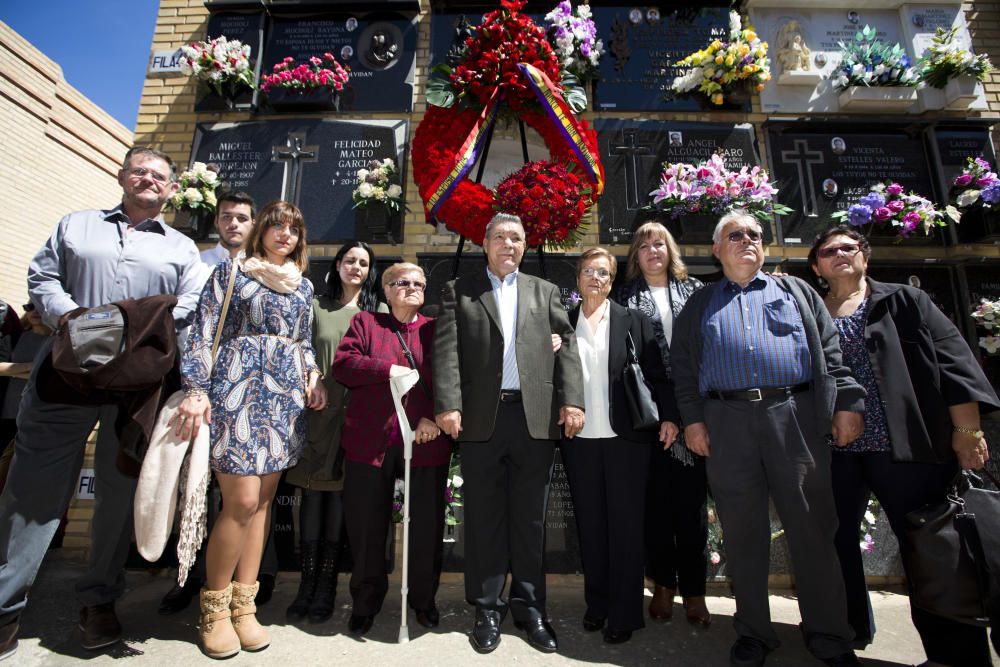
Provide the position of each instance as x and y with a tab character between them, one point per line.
922	422
607	462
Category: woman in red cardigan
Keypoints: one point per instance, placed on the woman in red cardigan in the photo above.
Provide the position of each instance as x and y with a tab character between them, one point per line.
375	346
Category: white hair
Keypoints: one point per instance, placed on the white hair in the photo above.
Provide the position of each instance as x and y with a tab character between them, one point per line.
503	219
736	215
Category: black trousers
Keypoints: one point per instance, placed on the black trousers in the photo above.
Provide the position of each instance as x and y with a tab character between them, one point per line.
606	478
900	488
506	492
368	493
676	523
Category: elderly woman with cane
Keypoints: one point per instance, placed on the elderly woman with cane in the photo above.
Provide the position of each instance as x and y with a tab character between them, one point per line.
376	347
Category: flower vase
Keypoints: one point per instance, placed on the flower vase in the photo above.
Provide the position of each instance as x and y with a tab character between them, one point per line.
736	98
229	96
373	224
303	100
960	92
196	223
979	225
882	99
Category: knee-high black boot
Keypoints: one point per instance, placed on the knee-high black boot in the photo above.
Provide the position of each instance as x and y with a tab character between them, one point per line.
299	609
321	608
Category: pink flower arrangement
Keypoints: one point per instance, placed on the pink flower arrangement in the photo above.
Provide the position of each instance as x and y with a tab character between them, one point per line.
323	72
709	187
888	205
977	183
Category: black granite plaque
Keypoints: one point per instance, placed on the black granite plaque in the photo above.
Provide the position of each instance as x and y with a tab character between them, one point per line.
248	28
824	170
954	145
633	153
379	48
310	162
643	44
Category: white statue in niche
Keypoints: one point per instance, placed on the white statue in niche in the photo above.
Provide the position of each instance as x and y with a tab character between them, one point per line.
793	54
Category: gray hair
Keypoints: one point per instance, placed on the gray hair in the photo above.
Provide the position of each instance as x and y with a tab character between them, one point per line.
149	150
503	219
736	215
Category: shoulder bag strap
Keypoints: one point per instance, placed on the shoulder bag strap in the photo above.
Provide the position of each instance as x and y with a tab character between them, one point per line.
225	309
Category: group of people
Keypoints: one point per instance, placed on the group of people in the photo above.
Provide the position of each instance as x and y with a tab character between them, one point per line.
764	390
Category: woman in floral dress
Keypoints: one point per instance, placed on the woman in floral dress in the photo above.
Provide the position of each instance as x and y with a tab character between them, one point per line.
253	398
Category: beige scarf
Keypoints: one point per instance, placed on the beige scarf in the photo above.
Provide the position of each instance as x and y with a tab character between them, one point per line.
284	279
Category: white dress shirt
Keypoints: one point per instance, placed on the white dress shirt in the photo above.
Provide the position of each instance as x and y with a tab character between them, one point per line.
593	346
505	294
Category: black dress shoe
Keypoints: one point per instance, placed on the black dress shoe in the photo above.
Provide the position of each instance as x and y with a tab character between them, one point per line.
847	659
429	618
540	634
266	589
748	652
485	635
360	624
179	597
592	623
617	636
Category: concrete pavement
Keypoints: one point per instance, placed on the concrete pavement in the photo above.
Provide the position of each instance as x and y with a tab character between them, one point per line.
49	636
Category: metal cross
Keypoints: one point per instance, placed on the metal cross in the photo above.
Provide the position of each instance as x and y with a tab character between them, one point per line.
633	151
293	153
804	159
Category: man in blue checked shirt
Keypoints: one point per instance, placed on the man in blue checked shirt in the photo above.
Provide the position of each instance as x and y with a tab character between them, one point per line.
93	258
762	387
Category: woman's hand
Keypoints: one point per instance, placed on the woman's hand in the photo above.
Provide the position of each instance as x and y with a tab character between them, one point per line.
972	452
426	431
192	410
668	433
315	393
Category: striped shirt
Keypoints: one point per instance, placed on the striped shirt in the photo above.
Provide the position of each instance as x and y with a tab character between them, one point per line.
752	337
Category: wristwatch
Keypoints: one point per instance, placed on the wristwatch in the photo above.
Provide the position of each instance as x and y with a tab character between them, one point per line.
978	433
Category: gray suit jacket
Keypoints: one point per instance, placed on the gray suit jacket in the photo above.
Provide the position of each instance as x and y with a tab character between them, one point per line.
835	387
468	356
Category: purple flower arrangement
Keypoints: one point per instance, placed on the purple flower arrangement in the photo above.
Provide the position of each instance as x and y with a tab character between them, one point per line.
887	205
710	188
977	183
573	37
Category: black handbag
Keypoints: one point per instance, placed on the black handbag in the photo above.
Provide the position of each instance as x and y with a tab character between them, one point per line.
951	553
641	406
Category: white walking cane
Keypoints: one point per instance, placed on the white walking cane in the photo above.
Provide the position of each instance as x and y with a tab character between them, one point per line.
399	385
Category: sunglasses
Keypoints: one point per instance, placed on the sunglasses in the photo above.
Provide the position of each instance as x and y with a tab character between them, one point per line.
752	234
849	250
407	284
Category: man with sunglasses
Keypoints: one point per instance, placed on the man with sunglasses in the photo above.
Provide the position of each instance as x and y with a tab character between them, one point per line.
761	385
503	393
93	258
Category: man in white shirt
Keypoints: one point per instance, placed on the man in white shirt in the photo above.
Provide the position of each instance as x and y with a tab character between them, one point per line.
234	216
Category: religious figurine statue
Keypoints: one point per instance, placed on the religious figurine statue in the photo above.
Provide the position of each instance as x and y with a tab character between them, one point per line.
382	51
793	54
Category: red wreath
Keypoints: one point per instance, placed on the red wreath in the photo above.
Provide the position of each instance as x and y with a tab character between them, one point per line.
470	207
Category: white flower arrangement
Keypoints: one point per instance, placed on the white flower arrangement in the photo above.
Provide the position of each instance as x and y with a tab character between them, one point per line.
867	61
197	191
374	186
218	62
987	316
945	60
573	37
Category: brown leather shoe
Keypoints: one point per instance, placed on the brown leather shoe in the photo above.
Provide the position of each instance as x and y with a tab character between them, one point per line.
661	607
697	612
99	626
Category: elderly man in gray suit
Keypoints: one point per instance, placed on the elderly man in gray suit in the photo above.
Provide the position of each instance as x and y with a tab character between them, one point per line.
502	392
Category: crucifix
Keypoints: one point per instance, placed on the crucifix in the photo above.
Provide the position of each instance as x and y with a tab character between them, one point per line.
293	153
633	151
804	159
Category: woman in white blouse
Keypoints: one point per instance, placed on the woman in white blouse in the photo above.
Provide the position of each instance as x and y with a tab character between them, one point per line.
607	462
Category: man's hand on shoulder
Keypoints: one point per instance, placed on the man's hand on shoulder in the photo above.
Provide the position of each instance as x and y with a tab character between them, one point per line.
450	422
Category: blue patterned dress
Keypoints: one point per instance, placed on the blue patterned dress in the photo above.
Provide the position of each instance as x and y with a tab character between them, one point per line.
257	387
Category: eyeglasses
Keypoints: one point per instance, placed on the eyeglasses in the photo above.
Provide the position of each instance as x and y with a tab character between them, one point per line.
752	234
141	172
407	284
603	274
849	250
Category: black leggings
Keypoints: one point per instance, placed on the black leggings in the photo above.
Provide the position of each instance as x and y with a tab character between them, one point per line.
321	516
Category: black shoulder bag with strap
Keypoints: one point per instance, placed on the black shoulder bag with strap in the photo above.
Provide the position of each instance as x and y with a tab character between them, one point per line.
642	408
411	360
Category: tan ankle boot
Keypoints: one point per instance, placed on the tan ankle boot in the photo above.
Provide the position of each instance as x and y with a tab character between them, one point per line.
218	638
253	636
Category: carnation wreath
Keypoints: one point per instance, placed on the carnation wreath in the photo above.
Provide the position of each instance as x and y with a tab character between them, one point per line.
506	68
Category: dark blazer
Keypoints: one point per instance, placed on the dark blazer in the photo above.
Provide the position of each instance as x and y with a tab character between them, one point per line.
622	322
835	387
468	356
365	354
922	365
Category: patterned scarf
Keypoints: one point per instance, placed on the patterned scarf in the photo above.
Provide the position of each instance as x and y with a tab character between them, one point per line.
284	279
638	296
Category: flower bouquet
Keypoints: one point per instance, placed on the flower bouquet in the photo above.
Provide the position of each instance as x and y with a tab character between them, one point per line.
977	183
196	197
710	188
867	61
987	316
945	60
374	187
724	67
887	206
221	65
573	36
551	200
453	495
315	85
